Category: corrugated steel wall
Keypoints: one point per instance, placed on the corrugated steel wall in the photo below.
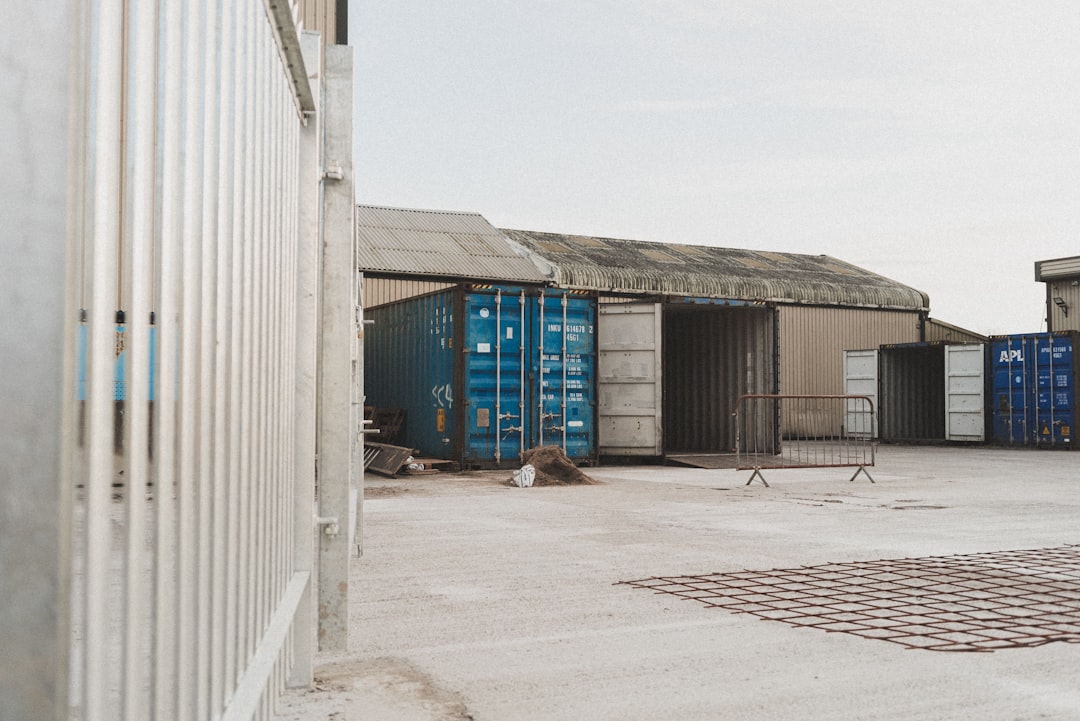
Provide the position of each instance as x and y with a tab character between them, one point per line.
483	375
1058	318
813	339
410	363
381	291
712	356
321	16
935	331
192	538
1033	389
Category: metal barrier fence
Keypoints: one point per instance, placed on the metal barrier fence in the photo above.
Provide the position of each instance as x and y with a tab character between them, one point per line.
198	222
833	431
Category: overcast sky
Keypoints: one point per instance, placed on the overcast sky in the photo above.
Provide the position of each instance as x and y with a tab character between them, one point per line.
936	143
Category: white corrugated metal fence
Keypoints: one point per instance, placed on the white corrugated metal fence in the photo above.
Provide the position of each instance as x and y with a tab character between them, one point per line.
193	474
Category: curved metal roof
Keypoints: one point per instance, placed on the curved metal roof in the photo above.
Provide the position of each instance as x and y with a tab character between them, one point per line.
438	244
634	266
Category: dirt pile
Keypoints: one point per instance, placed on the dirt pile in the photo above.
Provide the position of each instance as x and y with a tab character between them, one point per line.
553	468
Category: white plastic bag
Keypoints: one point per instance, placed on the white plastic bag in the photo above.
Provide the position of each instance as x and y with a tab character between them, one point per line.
524	478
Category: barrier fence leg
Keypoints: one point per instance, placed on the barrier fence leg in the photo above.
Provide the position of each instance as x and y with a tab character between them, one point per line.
862	469
757	474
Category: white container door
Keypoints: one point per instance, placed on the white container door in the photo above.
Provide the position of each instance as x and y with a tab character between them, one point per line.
629	390
861	379
965	407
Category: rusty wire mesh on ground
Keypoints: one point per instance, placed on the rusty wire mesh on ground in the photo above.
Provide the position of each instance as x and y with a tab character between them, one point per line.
975	602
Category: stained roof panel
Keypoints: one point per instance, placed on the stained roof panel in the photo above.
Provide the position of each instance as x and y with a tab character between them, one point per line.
634	266
438	244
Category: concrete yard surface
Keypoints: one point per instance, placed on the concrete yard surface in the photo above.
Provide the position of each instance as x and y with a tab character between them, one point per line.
478	600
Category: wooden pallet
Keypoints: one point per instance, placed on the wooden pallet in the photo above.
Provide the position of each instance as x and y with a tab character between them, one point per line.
386	460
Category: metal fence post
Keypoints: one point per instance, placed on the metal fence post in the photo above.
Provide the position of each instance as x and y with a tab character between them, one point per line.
34	449
307	326
338	424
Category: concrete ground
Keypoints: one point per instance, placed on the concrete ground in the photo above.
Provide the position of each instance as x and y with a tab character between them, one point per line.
478	600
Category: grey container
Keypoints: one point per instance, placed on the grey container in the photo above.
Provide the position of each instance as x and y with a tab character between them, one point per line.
923	392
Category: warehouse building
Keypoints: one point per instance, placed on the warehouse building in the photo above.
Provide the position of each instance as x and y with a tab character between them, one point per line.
1062	279
681	331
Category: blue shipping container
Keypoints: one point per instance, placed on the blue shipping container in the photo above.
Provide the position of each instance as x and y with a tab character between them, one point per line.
1033	389
485	373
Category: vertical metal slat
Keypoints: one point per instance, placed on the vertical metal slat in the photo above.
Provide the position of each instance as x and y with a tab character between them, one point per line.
103	283
144	111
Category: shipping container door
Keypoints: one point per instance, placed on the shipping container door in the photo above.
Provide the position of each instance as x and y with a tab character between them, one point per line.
861	379
965	409
629	383
1055	390
494	379
1010	389
565	373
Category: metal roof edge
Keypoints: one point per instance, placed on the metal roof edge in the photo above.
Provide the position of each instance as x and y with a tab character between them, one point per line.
579	267
888	298
455	279
983	337
374	206
1055	268
923	294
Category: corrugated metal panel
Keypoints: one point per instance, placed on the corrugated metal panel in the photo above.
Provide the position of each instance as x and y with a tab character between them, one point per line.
965	392
935	331
1060	318
711	356
438	244
496	391
381	291
860	379
409	363
565	338
320	16
813	340
632	266
1033	389
485	374
629	379
196	262
1057	268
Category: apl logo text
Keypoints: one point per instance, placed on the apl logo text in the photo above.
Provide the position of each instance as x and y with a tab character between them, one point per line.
1012	355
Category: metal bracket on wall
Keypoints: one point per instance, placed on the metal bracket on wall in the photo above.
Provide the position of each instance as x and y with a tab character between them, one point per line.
329	525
